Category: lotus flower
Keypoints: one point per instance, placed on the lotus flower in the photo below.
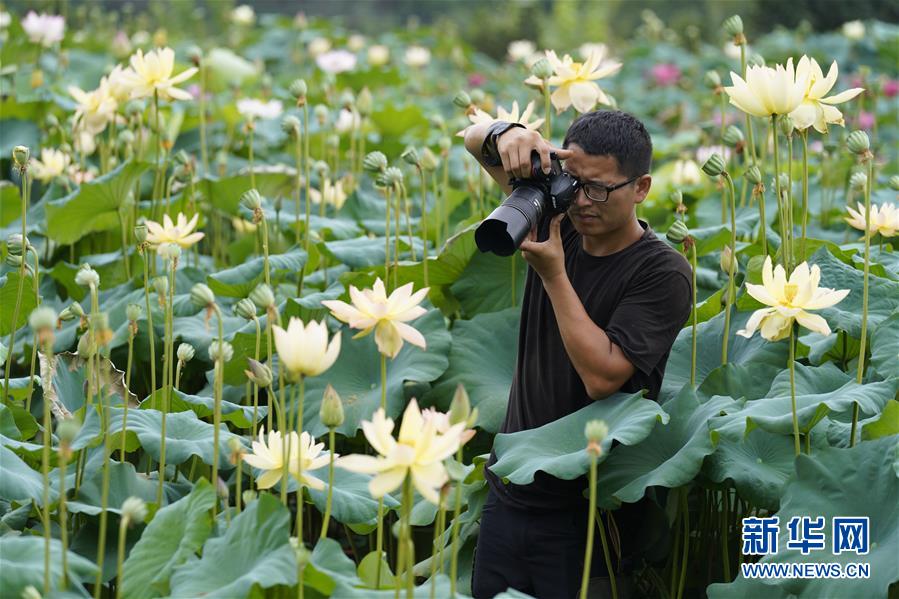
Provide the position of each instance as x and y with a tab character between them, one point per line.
884	219
333	194
169	232
269	456
378	55
478	116
336	61
95	109
152	73
816	109
576	81
304	350
373	310
768	91
53	164
686	172
257	109
419	451
789	301
417	56
243	15
44	29
521	50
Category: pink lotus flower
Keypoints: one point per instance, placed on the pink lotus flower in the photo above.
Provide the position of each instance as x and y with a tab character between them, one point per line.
891	88
865	120
476	80
665	74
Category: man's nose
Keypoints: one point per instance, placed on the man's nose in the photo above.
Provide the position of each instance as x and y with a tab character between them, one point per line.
581	200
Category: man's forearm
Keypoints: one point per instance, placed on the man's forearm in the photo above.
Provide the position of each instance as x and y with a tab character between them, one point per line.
602	366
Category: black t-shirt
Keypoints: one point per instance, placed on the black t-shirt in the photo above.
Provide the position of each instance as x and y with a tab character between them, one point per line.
640	296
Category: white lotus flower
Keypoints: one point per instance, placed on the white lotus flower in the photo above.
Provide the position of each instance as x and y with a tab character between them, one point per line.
378	55
575	82
44	29
767	91
521	50
816	109
180	233
333	194
854	30
417	56
52	164
304	349
336	61
243	15
347	120
318	46
152	73
478	116
884	219
95	108
253	109
685	173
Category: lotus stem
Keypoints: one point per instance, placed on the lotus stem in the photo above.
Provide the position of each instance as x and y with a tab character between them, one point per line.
387	199
605	552
256	387
695	318
218	373
860	371
298	153
45	471
127	386
591	516
252	127
731	271
34	344
424	223
686	550
793	391
784	241
788	202
437	551
380	533
454	545
300	392
268	339
444	196
763	224
327	517
123	532
63	518
547	111
406	541
204	153
804	191
104	495
25	192
166	376
146	255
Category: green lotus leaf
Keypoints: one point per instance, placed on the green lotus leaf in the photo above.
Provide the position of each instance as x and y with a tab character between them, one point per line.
204	406
124	482
886	424
225	192
9	289
19	481
22	564
328	566
487	282
351	501
885	347
240	280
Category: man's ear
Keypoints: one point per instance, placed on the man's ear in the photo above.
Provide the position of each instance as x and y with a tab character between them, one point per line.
643	184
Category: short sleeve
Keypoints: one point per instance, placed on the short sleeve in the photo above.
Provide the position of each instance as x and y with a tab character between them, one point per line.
652	312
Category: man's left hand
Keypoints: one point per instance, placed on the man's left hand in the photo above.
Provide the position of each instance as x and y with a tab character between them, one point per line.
546	257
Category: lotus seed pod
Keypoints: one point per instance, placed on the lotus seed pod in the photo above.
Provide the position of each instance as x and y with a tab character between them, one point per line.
220	351
99	321
733	26
251	200
374	162
542	69
331	412
364	102
245	308
858	180
726	260
43	319
258	373
298	89
291	125
712	79
894	182
87	277
462	99
755	60
185	352
321	114
784	180
714	166
678	232
596	431
126	138
169	251
785	123
16	244
753	175
249	496
460	407
67	429
858	142
410	156
676	196
140	233
478	96
133	312
429	160
134	509
445	143
393	176
20	155
161	285
87	347
321	168
346	99
16	261
263	296
72	311
201	295
733	135
181	157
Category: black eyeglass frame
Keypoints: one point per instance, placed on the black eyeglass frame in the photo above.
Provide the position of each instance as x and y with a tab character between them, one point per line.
608	189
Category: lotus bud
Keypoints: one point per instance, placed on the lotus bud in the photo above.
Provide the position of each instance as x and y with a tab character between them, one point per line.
298	89
755	60
333	141
251	200
478	96
263	296
72	311
20	155
169	251
462	99
194	55
134	509
30	592
291	125
133	312
201	295
429	160
220	351
87	277
445	143
364	102
712	79
733	136
676	196
16	244
331	412
858	180
245	308
51	122
784	180
185	352
258	373
161	285
678	232
321	168
346	99
733	26
460	407
125	138
596	431
542	69
894	182
726	260
221	161
714	166
235	446
67	429
858	142
321	114
140	233
786	125
249	496
410	156
374	162
277	205
87	347
753	175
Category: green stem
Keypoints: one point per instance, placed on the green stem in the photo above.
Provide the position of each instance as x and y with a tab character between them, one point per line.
298	153
45	471
783	231
327	517
605	553
265	265
860	371
387	199
63	519
127	386
204	153
146	256
686	539
299	393
408	214
547	112
217	409
695	317
793	391
454	543
591	516
123	530
25	192
380	533
406	533
731	271
444	195
789	200
804	190
255	386
252	170
424	224
166	376
104	495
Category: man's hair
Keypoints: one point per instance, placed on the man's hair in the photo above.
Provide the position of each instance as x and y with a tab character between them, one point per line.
613	133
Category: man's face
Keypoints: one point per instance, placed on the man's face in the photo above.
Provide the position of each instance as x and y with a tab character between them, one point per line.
597	219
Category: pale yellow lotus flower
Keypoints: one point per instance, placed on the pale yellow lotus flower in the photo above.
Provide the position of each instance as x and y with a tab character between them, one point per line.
304	349
884	219
310	457
419	452
179	233
243	226
686	172
768	91
95	108
442	424
269	457
53	164
478	116
789	301
334	194
120	82
575	81
816	109
373	310
152	73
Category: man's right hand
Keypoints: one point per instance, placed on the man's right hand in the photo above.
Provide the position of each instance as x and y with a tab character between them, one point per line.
515	147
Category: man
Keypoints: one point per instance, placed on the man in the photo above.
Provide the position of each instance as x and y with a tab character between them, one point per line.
604	301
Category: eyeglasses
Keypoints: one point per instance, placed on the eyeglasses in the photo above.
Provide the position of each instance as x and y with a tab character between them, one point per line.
598	192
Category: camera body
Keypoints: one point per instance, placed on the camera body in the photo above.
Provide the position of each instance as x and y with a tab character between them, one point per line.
539	196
